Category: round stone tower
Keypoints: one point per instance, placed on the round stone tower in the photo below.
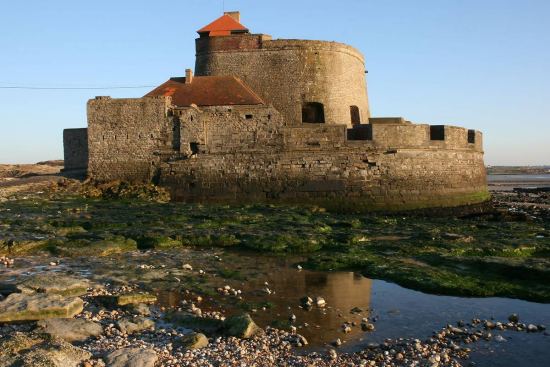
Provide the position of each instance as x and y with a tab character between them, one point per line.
307	81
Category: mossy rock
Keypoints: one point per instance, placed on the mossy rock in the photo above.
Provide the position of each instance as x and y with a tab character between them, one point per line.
194	341
241	326
156	242
127	299
39	306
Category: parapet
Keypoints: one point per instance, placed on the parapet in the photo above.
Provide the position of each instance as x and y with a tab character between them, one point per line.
392	133
251	42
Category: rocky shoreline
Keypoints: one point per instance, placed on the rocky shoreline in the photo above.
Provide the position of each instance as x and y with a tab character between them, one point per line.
63	320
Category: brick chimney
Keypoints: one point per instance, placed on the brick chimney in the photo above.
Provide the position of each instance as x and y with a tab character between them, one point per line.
234	14
188	76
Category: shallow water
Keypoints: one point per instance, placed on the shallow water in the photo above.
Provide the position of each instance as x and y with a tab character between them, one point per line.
395	311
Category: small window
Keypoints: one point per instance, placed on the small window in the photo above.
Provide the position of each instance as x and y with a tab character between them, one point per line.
471	136
248	117
194	148
313	112
437	132
355	115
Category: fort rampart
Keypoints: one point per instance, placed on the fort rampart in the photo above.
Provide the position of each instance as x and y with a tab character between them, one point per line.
247	153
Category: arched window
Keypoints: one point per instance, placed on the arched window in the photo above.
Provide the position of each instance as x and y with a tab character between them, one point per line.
355	115
313	112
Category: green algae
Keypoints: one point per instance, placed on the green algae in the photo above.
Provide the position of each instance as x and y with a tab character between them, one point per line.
495	255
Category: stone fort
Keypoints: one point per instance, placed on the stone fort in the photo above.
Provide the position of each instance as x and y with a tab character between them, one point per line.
267	119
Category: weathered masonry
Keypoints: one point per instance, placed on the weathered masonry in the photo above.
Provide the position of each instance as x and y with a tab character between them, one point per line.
276	120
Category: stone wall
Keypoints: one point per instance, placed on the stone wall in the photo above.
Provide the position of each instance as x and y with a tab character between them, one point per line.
355	178
288	73
247	153
75	149
230	129
123	135
400	168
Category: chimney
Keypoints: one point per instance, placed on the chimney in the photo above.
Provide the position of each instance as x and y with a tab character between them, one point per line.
234	14
188	76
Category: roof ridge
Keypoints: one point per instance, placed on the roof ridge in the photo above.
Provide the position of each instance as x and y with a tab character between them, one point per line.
247	87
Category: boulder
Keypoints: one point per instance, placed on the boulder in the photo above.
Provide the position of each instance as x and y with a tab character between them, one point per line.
194	341
131	357
64	285
71	330
130	325
241	326
35	351
39	306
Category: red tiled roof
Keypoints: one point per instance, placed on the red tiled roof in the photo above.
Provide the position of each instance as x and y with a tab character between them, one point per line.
223	26
207	91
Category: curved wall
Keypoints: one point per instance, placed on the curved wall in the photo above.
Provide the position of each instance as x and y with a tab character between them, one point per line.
288	73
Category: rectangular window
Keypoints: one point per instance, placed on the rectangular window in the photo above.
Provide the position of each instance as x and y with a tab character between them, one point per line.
471	136
437	132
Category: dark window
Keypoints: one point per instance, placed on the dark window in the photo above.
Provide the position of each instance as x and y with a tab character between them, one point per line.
471	136
360	132
248	117
313	112
355	115
194	148
177	135
437	132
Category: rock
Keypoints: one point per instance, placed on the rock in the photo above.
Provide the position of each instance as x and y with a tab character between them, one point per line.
306	302
337	342
241	327
187	267
541	327
71	330
138	309
52	284
356	310
532	328
320	302
194	341
301	341
513	318
127	299
130	325
366	326
33	350
500	338
332	354
13	344
39	306
131	357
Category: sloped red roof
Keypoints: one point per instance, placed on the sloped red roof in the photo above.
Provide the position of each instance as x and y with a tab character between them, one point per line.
222	26
207	91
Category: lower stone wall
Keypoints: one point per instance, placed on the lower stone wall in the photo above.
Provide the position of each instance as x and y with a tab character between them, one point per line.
75	149
351	178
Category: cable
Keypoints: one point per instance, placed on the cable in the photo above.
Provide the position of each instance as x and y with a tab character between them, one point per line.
77	88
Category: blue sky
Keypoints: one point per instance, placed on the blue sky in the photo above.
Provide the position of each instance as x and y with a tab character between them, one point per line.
481	64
